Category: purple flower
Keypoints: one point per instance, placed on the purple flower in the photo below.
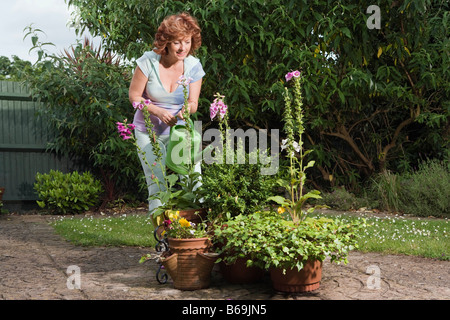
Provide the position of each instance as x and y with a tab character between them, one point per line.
213	109
142	104
184	81
288	76
124	129
292	74
218	107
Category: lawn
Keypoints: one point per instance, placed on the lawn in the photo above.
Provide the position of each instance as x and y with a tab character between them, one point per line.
410	236
392	234
122	230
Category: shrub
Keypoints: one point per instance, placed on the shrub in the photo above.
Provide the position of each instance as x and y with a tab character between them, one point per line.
341	199
233	189
386	187
426	192
67	193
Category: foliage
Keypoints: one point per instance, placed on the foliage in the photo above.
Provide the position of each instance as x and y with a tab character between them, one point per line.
426	192
13	70
81	92
341	199
423	192
179	228
267	240
231	189
375	99
67	193
386	185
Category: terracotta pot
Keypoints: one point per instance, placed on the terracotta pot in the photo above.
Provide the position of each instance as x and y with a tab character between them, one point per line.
307	279
189	264
239	273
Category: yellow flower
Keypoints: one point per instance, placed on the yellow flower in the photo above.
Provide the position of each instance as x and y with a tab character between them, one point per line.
184	223
172	215
281	210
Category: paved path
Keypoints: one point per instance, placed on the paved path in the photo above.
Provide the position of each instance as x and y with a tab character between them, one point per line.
34	262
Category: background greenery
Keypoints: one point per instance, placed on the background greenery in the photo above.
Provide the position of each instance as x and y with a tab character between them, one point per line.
376	100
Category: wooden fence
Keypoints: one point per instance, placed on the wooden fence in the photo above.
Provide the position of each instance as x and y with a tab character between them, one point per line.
23	144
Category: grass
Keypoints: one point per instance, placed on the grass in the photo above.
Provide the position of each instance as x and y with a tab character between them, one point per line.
421	237
393	235
124	230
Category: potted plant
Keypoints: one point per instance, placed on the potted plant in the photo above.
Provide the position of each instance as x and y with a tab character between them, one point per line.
293	253
189	261
232	189
287	242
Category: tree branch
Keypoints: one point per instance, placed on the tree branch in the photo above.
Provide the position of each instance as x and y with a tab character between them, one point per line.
344	134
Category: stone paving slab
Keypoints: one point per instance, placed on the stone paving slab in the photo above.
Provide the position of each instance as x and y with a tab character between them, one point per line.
34	263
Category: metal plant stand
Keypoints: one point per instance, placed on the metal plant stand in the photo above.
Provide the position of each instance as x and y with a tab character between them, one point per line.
161	247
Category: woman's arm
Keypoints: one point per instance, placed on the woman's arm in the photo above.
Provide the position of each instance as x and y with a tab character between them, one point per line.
137	87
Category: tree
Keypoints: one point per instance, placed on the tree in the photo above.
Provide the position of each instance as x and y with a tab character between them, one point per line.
375	99
13	70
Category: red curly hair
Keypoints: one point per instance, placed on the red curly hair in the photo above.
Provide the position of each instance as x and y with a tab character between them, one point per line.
175	27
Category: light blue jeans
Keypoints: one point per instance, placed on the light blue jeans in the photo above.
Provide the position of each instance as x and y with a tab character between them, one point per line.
143	141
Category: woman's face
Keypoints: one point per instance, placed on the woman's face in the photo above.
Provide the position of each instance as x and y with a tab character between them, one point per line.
179	49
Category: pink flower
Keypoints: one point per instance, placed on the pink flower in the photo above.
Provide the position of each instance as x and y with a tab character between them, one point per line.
184	81
213	109
218	107
292	74
288	76
124	129
142	104
223	110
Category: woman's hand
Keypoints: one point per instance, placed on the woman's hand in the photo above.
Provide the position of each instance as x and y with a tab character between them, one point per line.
166	117
181	112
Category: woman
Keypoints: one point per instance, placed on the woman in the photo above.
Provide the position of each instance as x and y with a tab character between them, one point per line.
156	77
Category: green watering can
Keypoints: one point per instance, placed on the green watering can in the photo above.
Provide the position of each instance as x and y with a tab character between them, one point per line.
183	148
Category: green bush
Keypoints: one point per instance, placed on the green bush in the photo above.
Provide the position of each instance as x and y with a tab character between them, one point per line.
67	193
341	199
233	189
426	192
386	187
